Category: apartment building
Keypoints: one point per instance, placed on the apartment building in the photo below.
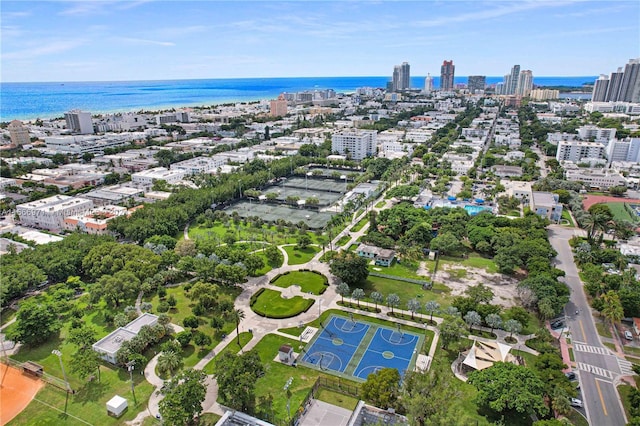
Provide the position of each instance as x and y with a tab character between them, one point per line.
577	150
49	213
356	145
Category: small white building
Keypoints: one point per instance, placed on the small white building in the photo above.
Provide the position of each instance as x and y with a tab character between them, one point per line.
116	406
108	346
285	354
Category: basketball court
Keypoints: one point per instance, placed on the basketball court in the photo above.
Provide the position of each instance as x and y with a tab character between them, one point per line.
17	391
357	348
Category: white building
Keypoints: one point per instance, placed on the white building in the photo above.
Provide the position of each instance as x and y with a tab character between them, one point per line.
79	122
611	107
577	150
77	145
546	204
174	117
356	145
595	178
95	221
49	213
199	165
108	346
595	132
146	178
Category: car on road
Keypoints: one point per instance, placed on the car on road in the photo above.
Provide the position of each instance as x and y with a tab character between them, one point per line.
628	335
557	324
570	375
575	402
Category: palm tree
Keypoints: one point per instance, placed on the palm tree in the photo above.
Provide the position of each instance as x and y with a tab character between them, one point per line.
472	318
357	294
343	290
169	362
612	308
238	315
493	321
393	300
560	401
413	305
512	326
377	298
431	306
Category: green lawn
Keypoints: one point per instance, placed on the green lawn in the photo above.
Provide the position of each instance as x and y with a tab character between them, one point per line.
620	212
191	356
358	226
404	270
336	398
268	233
277	374
603	329
342	241
405	291
88	403
232	347
309	282
298	256
576	418
566	216
6	315
474	260
353	247
271	304
380	204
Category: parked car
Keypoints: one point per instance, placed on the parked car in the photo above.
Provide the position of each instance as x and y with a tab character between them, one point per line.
628	335
557	324
570	375
575	402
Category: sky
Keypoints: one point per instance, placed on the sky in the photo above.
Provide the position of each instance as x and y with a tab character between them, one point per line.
94	40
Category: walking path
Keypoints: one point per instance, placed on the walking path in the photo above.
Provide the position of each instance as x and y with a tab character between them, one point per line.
261	326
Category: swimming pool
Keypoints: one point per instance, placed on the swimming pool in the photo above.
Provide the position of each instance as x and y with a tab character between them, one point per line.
474	210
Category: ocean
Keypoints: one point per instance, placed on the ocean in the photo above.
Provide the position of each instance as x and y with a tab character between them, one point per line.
27	101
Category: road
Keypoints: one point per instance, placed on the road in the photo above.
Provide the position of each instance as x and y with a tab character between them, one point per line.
597	367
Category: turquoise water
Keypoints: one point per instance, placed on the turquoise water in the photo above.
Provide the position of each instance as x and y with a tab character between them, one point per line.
474	210
24	101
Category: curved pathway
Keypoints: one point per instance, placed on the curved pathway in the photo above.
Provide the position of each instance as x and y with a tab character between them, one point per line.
261	326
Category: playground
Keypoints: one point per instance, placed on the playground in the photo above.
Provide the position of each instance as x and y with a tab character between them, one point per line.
355	349
16	392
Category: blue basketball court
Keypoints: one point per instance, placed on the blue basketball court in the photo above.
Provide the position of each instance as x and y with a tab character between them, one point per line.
356	348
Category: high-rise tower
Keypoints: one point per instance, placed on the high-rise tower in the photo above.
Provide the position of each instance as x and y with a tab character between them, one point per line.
615	82
513	80
600	87
476	83
428	84
401	79
447	73
525	83
630	82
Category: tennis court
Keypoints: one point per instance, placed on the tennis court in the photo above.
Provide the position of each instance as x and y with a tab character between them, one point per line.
273	212
356	348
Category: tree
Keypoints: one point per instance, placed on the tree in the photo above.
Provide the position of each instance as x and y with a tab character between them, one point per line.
357	295
512	326
431	306
201	339
480	293
343	290
446	243
238	316
382	388
393	300
236	376
612	307
35	322
85	360
413	305
273	255
183	397
303	241
505	386
430	398
349	267
184	338
472	318
377	298
451	329
191	322
169	362
493	321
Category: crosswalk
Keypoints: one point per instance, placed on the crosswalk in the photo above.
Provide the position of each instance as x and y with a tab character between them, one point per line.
595	370
590	349
625	367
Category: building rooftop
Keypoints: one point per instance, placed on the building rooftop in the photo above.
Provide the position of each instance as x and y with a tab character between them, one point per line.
543	198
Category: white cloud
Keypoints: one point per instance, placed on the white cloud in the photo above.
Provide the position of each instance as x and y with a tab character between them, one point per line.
50	48
133	40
